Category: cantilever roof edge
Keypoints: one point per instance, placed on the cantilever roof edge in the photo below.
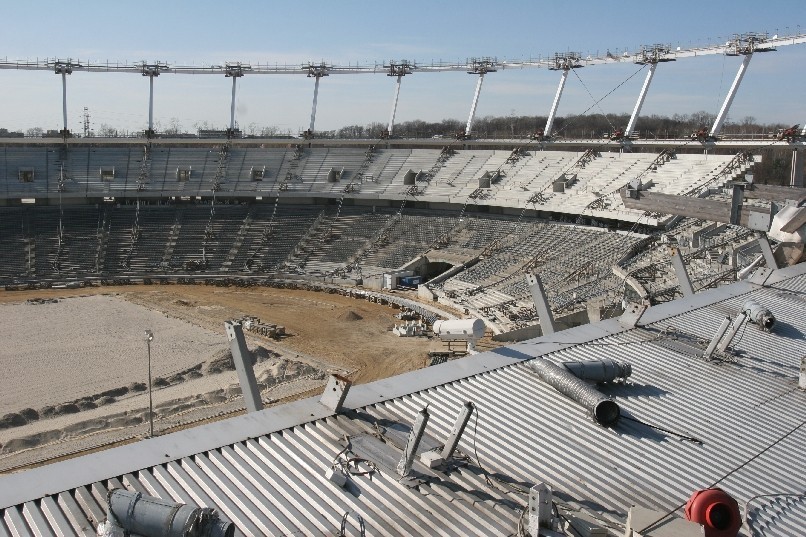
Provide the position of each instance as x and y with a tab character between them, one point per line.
51	479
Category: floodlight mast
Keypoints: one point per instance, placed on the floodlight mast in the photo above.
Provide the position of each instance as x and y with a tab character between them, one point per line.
235	71
563	61
151	70
64	68
399	70
652	56
741	45
478	66
317	72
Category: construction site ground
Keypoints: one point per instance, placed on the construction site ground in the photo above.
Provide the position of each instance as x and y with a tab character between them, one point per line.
101	347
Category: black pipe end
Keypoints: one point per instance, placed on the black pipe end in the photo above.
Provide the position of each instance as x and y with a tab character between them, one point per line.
606	412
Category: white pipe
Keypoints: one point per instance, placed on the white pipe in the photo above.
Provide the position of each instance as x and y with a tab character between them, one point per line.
232	106
394	105
315	97
723	112
150	103
556	104
473	106
640	102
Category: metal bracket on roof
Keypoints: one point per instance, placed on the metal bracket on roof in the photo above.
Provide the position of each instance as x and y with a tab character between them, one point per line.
715	340
633	314
738	322
410	451
335	392
458	429
540	507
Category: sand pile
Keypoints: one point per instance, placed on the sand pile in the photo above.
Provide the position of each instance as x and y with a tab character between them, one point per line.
350	315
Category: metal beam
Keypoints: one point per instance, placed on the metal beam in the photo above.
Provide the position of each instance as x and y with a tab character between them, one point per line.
555	104
703	209
379	68
774	192
313	108
394	105
473	106
640	103
232	106
242	359
151	103
723	112
718	336
416	434
796	175
682	275
458	429
64	99
738	322
766	251
541	303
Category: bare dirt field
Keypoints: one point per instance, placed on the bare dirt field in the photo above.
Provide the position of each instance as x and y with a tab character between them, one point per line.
75	361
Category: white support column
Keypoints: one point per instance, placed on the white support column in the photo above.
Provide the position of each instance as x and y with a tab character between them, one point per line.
64	99
315	97
473	106
723	112
640	103
394	105
150	103
556	104
232	106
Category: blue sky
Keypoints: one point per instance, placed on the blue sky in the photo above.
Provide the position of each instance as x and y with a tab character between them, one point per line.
342	32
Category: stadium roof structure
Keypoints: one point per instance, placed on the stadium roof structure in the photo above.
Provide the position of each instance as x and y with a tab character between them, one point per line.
736	421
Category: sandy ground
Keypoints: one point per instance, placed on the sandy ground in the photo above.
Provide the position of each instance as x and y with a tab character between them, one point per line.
91	341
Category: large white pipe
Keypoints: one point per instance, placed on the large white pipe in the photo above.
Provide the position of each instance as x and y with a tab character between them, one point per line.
556	104
723	112
640	103
313	109
473	106
394	105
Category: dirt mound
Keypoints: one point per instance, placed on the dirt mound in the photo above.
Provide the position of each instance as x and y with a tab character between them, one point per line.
350	315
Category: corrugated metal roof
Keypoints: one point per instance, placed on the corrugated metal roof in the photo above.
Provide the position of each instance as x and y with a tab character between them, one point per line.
266	471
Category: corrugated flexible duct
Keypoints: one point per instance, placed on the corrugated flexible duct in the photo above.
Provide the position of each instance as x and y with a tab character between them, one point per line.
154	517
601	408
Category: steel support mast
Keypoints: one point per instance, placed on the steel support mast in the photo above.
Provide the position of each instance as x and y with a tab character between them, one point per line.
479	67
64	69
151	71
235	71
317	72
398	70
741	45
562	62
648	56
